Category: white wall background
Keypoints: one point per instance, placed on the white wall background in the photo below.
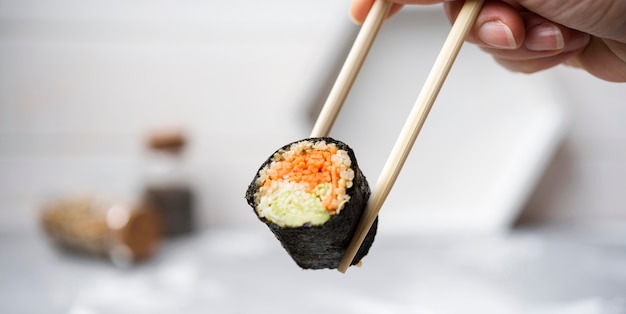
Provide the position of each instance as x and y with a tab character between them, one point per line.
82	82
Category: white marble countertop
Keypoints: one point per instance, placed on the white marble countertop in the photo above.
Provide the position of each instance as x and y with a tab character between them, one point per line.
544	270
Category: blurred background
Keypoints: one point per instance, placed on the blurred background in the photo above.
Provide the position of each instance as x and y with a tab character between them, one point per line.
510	171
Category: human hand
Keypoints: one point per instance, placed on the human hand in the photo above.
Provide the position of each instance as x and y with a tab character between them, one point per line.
533	35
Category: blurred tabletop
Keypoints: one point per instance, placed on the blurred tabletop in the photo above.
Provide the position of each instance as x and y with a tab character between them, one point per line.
531	270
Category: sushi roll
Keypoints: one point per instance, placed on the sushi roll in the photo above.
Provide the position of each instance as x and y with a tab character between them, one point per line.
311	194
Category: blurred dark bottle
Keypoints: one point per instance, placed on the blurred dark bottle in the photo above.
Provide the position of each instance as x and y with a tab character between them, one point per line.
167	187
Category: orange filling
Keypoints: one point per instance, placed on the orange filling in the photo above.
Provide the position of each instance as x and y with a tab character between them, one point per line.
311	168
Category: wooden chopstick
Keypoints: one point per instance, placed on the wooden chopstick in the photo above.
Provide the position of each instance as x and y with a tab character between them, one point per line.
413	125
350	69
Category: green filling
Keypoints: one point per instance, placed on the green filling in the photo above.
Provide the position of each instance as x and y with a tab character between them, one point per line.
291	206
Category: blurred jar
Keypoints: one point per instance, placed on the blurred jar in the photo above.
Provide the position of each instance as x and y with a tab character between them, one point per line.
167	187
123	233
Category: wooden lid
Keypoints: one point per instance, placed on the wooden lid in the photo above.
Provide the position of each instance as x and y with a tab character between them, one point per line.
173	140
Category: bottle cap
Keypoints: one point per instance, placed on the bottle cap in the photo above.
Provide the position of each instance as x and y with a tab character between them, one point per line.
173	140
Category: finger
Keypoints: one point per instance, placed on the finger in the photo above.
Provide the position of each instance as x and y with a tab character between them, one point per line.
360	8
604	19
540	45
605	59
526	60
498	25
543	34
419	1
394	8
535	65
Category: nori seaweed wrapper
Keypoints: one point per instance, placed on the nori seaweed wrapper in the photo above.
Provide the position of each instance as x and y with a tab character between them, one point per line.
319	247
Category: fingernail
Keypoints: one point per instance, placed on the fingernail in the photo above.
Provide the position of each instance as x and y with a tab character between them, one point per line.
497	34
544	37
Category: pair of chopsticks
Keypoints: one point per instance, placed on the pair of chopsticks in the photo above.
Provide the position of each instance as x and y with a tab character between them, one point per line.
414	122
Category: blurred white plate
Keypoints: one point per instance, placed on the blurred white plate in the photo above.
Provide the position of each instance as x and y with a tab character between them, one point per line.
483	147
